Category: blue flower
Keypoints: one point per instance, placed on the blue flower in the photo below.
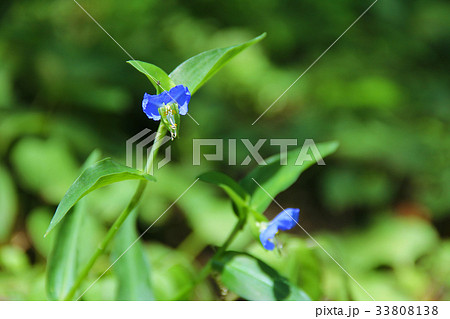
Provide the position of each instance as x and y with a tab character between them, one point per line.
178	94
283	221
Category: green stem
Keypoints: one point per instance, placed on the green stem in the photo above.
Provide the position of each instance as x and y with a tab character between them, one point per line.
122	217
206	270
230	238
162	130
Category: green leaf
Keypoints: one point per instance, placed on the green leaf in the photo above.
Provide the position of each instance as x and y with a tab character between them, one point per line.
132	269
62	263
100	174
275	178
231	187
253	279
298	262
195	71
154	73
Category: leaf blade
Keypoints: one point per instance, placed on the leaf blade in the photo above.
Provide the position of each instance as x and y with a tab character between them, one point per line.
62	263
154	73
253	279
132	267
102	173
230	186
195	71
275	178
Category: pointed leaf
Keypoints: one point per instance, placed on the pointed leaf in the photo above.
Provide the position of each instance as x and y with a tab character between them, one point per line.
132	269
275	178
154	74
253	279
195	71
231	187
62	263
98	175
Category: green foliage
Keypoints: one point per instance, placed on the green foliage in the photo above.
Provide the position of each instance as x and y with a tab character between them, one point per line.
275	178
101	174
154	73
194	72
252	279
44	166
14	260
389	261
132	268
239	273
64	260
36	224
299	263
383	96
173	271
236	193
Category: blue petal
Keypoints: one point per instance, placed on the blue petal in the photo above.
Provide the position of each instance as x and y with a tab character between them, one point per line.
151	104
286	219
182	96
283	221
267	234
179	94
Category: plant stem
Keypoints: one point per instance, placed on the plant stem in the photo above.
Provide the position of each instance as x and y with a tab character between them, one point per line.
109	236
208	267
162	130
230	238
122	217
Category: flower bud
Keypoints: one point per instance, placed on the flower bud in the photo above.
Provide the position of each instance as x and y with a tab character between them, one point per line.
170	116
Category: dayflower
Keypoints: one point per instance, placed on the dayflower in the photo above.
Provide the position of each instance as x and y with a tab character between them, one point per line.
178	94
283	221
168	105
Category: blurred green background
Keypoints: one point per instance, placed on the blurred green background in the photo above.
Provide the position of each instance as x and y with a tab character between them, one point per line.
381	205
